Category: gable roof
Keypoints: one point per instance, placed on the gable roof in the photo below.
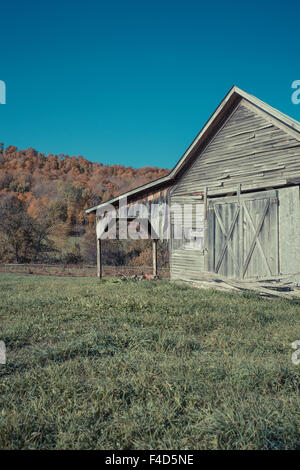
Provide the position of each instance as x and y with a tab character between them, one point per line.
230	102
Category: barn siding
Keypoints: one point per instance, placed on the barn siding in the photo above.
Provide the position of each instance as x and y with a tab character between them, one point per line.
249	149
185	263
189	264
289	230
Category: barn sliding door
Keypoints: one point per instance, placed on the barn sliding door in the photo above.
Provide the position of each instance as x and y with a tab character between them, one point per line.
242	236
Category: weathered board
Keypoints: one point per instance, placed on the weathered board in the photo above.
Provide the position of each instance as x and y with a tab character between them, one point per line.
289	230
249	150
243	235
186	252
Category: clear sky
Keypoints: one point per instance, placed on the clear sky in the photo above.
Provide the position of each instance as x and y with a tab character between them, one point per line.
132	82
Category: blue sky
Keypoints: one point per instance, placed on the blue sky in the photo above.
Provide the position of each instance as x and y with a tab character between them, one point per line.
132	82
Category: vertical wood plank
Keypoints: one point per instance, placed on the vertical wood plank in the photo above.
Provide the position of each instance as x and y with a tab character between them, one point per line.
276	229
211	238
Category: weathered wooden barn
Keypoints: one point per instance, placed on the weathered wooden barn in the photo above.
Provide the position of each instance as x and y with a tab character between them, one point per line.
242	172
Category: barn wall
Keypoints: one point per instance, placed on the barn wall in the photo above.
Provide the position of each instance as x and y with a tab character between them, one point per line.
249	149
252	151
289	230
186	262
190	263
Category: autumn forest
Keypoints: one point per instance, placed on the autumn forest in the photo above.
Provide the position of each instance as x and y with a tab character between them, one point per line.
42	208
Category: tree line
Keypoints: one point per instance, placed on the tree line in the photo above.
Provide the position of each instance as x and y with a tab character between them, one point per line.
42	208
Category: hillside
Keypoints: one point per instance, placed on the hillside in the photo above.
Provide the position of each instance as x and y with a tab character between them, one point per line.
43	199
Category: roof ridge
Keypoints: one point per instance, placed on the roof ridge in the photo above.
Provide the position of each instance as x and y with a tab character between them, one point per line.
285	118
227	102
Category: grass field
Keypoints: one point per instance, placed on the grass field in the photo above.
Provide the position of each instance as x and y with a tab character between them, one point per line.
150	365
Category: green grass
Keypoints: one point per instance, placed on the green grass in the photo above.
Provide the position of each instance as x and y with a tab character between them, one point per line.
150	365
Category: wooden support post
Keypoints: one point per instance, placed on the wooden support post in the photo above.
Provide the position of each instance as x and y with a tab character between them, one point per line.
154	246
99	259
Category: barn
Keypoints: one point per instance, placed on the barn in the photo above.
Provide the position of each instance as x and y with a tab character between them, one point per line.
230	205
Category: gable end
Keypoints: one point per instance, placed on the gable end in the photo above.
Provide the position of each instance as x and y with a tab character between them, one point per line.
250	149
